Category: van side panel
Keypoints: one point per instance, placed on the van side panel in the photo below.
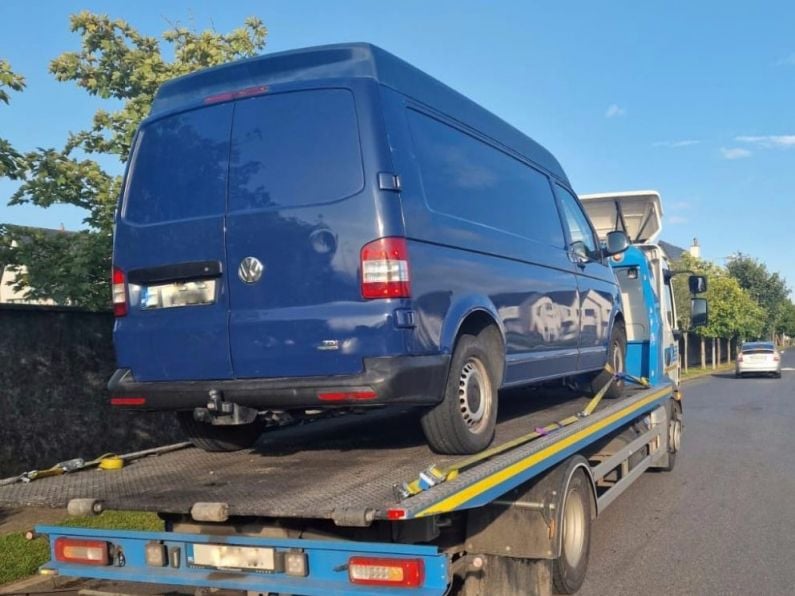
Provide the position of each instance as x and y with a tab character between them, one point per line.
457	263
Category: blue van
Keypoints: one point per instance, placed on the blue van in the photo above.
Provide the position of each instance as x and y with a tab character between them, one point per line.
333	228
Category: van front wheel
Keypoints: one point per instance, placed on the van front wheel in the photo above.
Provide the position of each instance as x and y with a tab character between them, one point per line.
464	422
210	437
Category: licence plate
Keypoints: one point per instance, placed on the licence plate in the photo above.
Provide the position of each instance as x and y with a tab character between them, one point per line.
188	293
222	556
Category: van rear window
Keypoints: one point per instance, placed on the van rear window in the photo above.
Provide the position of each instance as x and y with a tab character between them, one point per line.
288	149
472	180
292	149
179	167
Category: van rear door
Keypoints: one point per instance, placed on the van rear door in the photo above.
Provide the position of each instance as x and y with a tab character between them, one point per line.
293	240
169	242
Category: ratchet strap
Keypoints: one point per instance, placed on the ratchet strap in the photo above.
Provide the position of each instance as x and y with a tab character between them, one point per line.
434	475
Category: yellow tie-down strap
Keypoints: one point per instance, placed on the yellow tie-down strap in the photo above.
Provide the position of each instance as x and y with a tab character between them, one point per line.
434	475
472	491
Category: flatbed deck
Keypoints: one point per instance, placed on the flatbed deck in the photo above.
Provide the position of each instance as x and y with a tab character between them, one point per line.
343	468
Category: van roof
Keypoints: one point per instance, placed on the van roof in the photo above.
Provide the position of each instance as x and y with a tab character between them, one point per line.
349	61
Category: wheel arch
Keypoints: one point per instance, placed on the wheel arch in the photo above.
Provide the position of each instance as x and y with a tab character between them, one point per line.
473	317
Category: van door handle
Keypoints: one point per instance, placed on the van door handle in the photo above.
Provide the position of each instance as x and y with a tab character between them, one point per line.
175	272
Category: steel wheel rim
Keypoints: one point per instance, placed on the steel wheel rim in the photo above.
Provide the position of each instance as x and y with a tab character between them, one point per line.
618	361
675	438
574	529
474	395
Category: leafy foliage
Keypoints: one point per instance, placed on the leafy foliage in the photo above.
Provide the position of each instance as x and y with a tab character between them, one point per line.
769	290
117	63
732	310
10	159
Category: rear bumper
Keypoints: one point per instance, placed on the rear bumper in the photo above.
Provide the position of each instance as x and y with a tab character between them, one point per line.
406	380
761	367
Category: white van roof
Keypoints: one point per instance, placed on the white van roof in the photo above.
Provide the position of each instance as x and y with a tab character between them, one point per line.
637	212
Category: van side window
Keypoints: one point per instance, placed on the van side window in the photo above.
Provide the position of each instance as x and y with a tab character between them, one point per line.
469	179
165	181
580	231
291	149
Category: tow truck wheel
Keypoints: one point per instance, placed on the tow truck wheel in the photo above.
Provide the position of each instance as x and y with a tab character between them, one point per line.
674	434
210	437
568	570
465	420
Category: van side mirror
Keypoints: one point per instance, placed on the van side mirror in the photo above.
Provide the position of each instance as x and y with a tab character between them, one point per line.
617	242
697	284
699	312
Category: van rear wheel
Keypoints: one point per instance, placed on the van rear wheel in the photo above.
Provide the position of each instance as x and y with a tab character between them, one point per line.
464	422
210	437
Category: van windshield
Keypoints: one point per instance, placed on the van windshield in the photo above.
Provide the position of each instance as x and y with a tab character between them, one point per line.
281	150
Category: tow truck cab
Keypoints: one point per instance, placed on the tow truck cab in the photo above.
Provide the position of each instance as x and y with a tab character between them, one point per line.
644	273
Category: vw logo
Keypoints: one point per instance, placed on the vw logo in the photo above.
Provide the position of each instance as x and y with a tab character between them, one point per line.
250	270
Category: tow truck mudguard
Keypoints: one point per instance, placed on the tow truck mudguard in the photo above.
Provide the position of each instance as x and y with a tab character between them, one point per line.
398	380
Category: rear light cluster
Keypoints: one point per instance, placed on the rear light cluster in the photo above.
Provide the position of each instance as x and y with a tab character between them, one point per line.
82	552
739	357
372	571
776	357
385	269
119	292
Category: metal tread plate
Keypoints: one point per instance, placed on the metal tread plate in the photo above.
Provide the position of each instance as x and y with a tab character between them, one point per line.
348	463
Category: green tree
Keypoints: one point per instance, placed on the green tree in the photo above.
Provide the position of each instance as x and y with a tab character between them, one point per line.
9	81
733	312
768	289
117	63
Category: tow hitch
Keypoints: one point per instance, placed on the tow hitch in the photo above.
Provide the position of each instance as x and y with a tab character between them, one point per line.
224	413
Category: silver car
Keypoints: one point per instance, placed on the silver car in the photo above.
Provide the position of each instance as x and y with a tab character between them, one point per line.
758	357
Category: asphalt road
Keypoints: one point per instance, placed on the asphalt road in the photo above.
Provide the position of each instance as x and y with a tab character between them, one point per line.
723	521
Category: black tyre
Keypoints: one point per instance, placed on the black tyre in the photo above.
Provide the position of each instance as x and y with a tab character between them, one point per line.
464	421
209	437
675	427
568	570
617	358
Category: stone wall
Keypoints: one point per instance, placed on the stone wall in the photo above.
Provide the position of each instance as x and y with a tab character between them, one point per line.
54	366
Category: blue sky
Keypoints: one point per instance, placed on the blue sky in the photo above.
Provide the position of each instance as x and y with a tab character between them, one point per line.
696	100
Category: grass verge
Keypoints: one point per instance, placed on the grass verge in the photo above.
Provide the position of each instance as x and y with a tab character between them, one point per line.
695	372
20	558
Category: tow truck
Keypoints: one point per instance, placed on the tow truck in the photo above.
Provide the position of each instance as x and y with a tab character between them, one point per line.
359	505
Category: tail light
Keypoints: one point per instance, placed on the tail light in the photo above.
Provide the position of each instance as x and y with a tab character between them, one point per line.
776	357
119	292
739	357
371	571
385	269
84	552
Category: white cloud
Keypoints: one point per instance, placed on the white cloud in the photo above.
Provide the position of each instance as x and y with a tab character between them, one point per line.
679	206
734	153
614	111
769	141
676	144
787	60
677	219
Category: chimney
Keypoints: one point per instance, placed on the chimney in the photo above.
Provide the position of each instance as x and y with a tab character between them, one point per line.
695	249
